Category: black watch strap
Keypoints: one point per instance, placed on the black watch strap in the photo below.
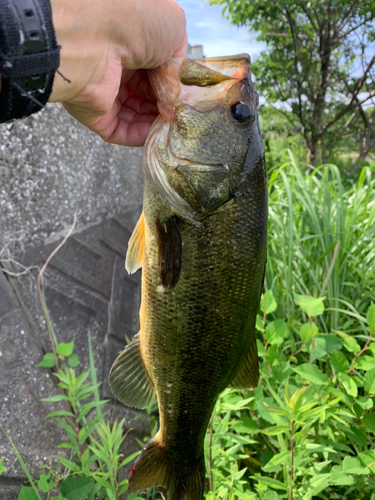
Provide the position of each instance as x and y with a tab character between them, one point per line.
29	57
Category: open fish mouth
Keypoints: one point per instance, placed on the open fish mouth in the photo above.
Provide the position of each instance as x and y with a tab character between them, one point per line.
186	90
159	161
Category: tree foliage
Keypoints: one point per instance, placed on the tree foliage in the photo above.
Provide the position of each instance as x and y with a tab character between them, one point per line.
319	66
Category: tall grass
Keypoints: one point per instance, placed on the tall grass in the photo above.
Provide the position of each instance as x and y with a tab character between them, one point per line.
321	236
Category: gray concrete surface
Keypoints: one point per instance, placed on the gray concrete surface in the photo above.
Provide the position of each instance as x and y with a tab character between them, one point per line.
50	168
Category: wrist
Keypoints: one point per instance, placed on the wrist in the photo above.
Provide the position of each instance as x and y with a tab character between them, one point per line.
29	57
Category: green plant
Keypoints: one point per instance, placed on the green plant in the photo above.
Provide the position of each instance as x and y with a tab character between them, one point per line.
317	68
307	430
321	242
93	461
90	470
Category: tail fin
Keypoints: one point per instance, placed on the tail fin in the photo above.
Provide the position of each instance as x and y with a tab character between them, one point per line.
154	468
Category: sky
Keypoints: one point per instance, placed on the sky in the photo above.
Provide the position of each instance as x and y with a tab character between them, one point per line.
206	26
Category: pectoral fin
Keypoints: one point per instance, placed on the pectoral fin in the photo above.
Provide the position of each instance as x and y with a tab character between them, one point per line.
169	251
128	378
248	375
136	247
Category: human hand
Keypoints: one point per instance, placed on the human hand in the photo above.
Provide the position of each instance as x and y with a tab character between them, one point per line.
106	48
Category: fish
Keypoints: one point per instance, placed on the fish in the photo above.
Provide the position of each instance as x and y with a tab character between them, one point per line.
201	242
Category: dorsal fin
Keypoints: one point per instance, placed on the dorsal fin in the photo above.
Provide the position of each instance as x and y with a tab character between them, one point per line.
136	247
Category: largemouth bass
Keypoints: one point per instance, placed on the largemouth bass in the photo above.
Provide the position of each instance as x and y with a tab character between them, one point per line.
201	241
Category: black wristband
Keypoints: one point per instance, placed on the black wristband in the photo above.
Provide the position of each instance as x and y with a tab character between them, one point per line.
29	57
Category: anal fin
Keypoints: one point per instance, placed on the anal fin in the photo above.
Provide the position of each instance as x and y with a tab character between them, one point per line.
136	247
128	378
247	376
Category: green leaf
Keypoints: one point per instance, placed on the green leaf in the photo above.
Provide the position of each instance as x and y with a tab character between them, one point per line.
48	360
350	343
261	350
352	465
86	408
368	421
124	488
110	494
341	479
276	332
359	437
129	458
60	413
339	362
317	348
76	488
315	447
364	363
309	305
102	482
68	464
348	383
276	461
44	484
365	403
369	382
268	303
73	360
371	318
311	373
54	399
321	481
103	455
85	456
332	341
27	493
2	468
308	330
65	349
276	430
269	482
367	459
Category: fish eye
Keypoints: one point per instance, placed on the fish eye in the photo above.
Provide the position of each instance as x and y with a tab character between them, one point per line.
241	112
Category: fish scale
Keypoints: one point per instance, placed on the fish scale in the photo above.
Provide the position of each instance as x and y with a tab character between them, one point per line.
201	241
206	334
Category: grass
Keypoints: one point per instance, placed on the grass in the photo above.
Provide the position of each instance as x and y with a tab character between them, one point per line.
321	242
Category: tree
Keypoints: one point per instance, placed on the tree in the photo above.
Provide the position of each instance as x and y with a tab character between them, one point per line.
320	64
